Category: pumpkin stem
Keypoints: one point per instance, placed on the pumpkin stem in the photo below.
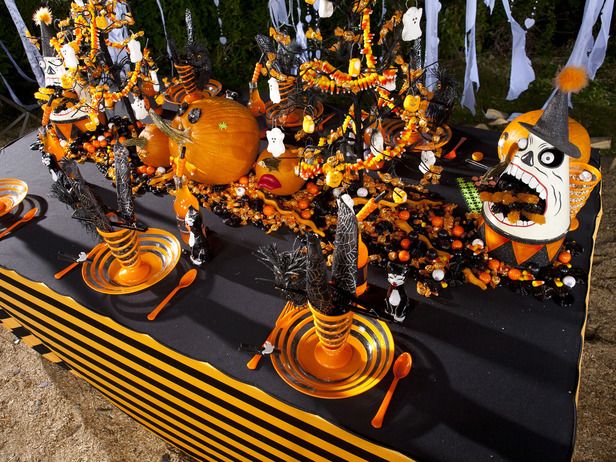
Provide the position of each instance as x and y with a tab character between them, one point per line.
178	136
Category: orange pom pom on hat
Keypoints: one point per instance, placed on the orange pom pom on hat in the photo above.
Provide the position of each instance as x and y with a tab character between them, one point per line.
553	125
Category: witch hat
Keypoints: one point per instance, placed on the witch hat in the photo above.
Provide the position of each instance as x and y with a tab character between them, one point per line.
553	125
43	18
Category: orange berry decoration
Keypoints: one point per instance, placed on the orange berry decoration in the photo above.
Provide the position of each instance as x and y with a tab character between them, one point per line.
437	221
268	210
312	188
404	215
564	257
457	231
494	264
243	180
514	274
405	243
485	277
303	204
404	255
457	244
306	214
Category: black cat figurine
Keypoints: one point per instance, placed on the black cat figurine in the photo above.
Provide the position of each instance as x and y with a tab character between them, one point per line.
199	247
397	301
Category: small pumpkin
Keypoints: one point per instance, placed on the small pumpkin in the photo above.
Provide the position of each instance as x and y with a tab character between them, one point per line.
155	153
276	175
225	140
514	131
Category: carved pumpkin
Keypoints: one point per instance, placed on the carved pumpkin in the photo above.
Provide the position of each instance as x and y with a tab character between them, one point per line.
225	140
277	175
156	151
514	131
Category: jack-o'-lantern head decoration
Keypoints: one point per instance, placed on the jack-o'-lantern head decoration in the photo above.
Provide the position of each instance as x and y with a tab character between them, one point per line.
278	175
537	148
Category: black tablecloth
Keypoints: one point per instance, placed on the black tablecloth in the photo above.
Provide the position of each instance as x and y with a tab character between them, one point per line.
494	374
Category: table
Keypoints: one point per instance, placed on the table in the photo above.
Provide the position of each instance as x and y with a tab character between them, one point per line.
495	375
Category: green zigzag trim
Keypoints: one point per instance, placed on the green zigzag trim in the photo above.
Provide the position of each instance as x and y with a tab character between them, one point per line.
470	194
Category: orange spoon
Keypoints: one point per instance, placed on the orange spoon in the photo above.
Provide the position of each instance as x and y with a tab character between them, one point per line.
60	274
188	278
401	369
27	217
452	154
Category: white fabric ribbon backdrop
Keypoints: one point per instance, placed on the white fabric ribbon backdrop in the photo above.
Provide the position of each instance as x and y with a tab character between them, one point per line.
433	7
34	56
471	74
522	73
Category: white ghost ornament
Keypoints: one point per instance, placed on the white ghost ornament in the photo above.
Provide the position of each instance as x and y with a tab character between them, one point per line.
69	55
377	143
274	90
155	82
428	159
275	142
411	24
134	50
326	9
139	109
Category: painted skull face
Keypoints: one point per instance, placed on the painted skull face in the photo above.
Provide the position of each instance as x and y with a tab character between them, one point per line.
541	169
275	141
53	68
411	28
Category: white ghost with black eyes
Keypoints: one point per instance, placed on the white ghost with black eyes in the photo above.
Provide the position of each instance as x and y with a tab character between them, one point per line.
411	29
275	142
139	109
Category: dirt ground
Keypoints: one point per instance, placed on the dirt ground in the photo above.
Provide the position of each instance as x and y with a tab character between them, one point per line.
48	415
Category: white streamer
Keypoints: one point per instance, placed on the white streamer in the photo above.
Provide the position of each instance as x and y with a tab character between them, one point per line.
162	16
19	70
34	56
471	74
522	73
433	7
585	41
490	4
15	98
278	13
597	55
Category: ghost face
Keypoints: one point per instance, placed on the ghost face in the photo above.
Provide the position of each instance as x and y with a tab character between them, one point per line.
139	109
411	28
275	142
539	168
274	90
53	68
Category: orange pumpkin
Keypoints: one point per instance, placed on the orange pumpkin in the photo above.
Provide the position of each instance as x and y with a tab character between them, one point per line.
225	140
277	175
514	131
156	151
